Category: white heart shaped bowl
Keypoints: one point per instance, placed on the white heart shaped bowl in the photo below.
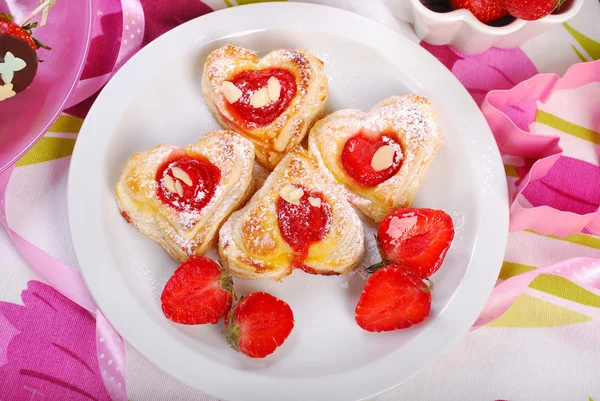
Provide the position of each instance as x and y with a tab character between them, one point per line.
461	30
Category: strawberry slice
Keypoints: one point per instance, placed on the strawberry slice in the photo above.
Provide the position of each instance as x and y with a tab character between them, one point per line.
199	292
418	239
393	298
258	325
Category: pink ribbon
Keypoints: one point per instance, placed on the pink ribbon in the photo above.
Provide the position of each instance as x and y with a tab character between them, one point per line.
68	281
110	347
545	149
133	21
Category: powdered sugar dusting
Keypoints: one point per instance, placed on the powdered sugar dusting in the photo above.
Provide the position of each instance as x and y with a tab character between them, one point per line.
411	118
291	126
252	235
188	232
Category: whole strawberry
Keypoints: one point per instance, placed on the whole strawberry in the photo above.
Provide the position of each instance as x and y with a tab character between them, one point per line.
486	11
393	298
531	10
258	324
199	292
418	239
10	28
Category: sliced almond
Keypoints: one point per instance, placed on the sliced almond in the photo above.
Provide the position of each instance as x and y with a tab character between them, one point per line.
169	183
260	98
295	195
285	190
291	194
274	88
316	202
179	188
383	158
182	175
231	92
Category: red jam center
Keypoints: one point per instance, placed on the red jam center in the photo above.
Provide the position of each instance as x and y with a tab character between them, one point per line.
249	82
358	153
304	224
192	192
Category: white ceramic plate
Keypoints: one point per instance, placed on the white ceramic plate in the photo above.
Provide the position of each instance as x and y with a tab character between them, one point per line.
157	98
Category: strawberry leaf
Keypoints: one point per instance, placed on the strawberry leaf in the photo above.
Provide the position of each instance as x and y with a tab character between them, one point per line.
40	44
6	17
374	267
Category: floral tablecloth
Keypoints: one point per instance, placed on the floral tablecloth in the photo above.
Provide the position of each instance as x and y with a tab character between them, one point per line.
544	348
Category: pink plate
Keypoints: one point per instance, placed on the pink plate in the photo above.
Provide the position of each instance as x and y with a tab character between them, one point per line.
25	118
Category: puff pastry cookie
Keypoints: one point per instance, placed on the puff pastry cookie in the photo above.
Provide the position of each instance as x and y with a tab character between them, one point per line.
181	196
298	219
272	101
379	157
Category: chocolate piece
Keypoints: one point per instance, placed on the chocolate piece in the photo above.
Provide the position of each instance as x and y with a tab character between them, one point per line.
20	49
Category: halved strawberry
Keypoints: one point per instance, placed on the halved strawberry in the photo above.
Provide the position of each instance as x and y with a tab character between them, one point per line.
418	239
393	298
199	292
258	324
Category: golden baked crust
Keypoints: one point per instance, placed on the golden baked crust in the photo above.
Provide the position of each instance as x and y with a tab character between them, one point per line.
186	234
412	118
250	242
274	140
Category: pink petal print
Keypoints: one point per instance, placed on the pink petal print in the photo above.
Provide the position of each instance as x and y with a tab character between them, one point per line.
162	16
522	113
107	29
53	356
481	73
561	188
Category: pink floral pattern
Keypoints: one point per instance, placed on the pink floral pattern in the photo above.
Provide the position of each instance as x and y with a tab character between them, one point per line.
47	349
481	73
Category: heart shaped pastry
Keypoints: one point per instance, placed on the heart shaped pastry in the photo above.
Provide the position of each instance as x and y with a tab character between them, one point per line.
181	196
272	101
379	157
298	219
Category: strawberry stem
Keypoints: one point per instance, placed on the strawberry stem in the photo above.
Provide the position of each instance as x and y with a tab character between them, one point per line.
374	267
429	285
232	332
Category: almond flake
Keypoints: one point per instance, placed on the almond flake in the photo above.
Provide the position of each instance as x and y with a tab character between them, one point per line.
383	158
260	98
182	175
169	183
231	92
291	194
274	88
316	202
286	189
296	194
179	188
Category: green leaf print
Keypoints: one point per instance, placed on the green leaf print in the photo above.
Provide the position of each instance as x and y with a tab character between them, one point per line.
591	47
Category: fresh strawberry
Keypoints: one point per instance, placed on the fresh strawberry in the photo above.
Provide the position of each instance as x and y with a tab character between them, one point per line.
531	10
258	324
8	27
485	11
393	298
199	292
418	239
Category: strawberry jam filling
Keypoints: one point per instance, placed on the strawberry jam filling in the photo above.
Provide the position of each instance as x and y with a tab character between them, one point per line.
249	82
303	224
187	183
357	156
